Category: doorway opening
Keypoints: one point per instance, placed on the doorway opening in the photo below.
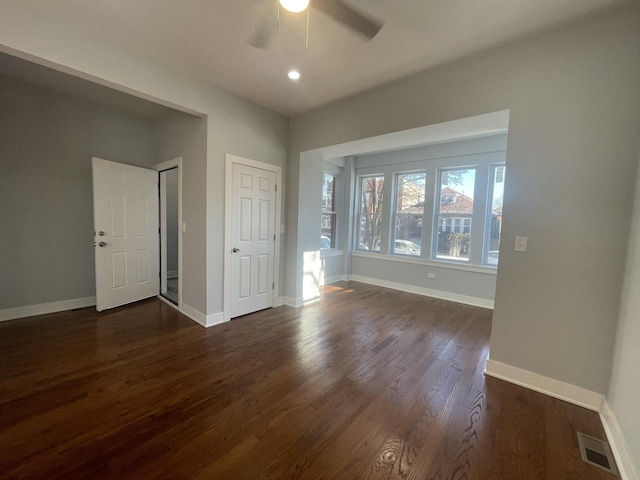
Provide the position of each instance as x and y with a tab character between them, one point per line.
169	235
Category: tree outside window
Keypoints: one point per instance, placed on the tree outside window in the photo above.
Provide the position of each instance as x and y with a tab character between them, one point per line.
370	215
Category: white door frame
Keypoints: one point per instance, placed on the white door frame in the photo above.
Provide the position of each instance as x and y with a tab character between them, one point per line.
228	209
169	164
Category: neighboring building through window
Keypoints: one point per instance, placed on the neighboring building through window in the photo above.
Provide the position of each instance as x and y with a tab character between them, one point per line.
455	211
410	190
329	212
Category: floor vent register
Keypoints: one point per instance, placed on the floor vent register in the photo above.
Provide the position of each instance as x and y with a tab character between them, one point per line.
597	453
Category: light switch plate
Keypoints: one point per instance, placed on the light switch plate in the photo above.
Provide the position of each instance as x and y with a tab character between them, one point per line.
521	244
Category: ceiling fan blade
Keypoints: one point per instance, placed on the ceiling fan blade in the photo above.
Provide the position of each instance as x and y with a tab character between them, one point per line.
266	27
338	10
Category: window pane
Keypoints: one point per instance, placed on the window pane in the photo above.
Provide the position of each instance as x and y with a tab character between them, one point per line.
409	212
328	193
370	213
455	209
328	237
329	215
494	221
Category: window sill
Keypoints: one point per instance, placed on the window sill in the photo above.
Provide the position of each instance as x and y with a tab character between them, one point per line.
328	253
426	262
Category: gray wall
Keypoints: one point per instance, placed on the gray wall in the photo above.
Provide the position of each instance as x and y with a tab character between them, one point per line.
183	135
572	156
47	140
479	284
624	389
234	125
241	128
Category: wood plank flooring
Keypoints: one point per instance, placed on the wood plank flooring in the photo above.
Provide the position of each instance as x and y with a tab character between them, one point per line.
369	383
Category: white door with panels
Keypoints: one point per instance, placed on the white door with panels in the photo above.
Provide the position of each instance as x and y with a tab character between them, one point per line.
125	213
253	226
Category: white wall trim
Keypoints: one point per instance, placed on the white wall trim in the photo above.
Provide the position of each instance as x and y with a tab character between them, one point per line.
199	317
426	262
228	209
539	383
168	302
617	442
44	308
167	165
453	297
293	302
214	319
194	314
334	279
172	274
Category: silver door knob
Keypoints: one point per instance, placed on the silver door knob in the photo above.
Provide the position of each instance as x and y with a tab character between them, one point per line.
102	244
235	250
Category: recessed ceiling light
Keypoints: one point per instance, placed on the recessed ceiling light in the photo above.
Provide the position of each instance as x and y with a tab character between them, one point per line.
294	75
294	6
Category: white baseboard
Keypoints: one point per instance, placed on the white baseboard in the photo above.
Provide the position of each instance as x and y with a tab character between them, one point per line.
215	319
293	302
199	317
172	274
577	396
453	297
554	388
44	308
194	314
335	278
618	444
278	302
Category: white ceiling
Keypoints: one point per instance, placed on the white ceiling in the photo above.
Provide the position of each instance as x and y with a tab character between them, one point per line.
209	39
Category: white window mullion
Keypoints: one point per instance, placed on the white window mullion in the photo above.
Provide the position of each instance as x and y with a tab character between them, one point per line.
479	215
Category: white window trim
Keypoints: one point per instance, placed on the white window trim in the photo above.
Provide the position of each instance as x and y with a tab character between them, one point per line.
357	212
436	214
331	252
426	262
394	215
336	210
487	219
481	162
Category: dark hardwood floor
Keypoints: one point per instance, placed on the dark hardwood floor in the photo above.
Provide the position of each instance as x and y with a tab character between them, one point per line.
369	383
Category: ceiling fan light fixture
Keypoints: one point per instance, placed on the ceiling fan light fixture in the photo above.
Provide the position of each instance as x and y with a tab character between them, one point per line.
294	6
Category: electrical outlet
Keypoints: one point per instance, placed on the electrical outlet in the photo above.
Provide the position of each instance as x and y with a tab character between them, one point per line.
521	244
431	275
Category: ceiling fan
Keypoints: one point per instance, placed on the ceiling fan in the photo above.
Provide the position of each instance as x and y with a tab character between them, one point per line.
363	25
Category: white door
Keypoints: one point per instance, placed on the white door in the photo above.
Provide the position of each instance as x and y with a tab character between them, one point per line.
125	216
252	239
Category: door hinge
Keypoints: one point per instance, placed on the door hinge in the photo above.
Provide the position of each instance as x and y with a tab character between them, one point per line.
273	286
276	187
274	237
